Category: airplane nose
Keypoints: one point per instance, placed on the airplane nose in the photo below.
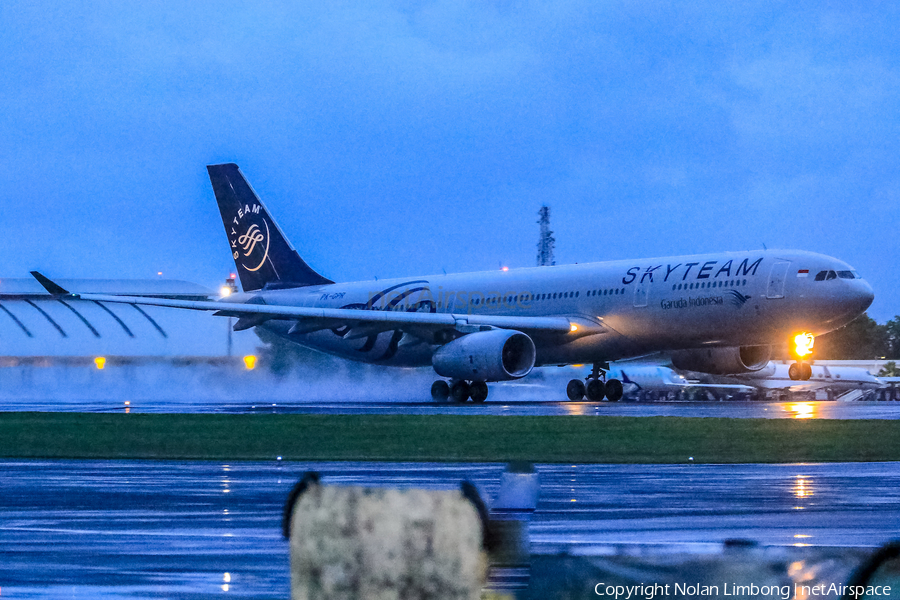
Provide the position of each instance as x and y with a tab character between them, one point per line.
863	296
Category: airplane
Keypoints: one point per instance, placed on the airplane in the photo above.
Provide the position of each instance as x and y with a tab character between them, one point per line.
654	381
839	379
716	313
655	378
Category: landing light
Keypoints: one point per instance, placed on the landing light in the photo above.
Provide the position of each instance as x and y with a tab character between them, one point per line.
804	344
573	328
505	269
250	362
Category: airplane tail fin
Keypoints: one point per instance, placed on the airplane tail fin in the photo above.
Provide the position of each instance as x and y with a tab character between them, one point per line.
262	254
626	379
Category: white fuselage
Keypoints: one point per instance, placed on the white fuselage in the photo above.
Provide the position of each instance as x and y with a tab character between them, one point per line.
650	377
628	308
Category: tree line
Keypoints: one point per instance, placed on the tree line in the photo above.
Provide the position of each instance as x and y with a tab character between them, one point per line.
861	339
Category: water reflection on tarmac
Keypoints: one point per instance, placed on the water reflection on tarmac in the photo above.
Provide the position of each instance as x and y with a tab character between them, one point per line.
145	529
738	410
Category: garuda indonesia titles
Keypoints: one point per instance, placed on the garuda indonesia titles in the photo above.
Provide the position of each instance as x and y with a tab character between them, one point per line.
717	313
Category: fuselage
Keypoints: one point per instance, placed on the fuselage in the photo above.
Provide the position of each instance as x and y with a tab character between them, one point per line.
628	307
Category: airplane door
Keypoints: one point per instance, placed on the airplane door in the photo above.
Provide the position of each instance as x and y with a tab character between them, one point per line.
641	292
776	279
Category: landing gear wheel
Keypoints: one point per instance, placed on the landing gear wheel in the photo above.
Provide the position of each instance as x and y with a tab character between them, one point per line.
440	391
595	391
805	371
478	390
614	390
459	391
794	372
575	390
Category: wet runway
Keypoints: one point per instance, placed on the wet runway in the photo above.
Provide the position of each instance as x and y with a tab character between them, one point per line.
739	410
145	529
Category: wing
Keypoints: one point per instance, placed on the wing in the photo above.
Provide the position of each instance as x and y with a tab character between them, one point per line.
365	322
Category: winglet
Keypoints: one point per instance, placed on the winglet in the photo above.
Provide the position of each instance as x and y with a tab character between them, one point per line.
54	289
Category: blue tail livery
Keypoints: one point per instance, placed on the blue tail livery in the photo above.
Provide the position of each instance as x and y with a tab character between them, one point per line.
263	256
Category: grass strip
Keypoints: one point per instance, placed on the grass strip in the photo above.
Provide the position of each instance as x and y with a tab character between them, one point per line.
575	439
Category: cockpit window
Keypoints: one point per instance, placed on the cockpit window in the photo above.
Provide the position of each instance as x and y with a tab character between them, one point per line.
846	275
829	275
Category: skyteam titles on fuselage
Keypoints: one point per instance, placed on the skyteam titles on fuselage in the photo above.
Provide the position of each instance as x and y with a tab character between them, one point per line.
743	269
420	295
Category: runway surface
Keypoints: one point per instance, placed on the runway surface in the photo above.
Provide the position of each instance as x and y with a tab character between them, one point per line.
145	529
739	410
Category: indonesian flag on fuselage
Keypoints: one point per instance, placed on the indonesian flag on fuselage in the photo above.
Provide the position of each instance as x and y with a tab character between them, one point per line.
803	273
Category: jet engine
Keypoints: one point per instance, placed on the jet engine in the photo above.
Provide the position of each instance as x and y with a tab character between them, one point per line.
495	355
723	361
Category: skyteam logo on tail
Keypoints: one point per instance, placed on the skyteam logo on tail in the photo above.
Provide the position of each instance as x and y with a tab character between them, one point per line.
253	243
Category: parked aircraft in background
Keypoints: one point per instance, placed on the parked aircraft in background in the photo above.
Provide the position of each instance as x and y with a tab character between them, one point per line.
651	381
716	313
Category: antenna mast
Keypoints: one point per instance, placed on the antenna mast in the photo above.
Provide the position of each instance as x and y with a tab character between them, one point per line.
546	241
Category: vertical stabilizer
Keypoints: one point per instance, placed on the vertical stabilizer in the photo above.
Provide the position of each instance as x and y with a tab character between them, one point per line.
262	255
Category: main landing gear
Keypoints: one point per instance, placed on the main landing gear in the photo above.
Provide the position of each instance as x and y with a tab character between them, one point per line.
803	345
459	391
596	388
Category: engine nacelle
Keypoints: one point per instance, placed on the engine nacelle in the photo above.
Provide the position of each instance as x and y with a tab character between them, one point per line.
495	355
723	361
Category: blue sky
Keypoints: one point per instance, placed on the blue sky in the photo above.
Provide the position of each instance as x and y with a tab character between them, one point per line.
403	138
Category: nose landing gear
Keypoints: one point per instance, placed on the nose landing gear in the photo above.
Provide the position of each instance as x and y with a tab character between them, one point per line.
803	345
800	371
597	388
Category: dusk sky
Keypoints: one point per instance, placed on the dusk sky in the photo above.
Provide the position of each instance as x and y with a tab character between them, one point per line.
406	138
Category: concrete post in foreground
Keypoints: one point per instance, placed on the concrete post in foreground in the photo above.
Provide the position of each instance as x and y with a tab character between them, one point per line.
354	543
512	510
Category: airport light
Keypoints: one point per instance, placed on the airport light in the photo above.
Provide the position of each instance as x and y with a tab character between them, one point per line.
229	287
250	362
100	362
573	328
804	344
